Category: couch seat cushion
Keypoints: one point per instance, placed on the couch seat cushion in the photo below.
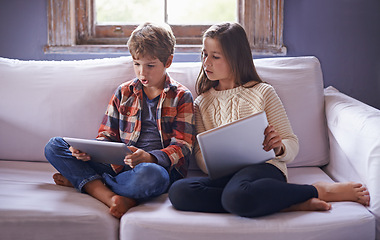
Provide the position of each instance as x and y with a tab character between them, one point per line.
33	207
157	218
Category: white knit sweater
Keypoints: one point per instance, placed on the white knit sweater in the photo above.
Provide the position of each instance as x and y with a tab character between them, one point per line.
215	108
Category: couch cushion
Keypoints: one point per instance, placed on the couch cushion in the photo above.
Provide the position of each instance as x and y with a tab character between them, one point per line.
346	220
186	73
43	99
299	83
33	207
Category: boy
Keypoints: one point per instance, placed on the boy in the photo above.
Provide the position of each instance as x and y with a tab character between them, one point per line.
152	114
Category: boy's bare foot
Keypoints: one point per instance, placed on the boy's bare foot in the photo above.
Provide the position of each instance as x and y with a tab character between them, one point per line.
313	204
59	179
337	192
121	205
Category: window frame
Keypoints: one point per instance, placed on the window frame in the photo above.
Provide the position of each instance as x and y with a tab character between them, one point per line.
72	29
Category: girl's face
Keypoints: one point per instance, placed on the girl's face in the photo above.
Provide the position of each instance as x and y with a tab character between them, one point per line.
215	63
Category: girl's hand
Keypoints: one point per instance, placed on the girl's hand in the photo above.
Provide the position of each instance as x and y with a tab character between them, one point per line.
138	156
273	141
79	155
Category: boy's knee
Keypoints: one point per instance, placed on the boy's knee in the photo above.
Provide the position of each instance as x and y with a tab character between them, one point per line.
152	176
154	171
55	142
50	145
53	146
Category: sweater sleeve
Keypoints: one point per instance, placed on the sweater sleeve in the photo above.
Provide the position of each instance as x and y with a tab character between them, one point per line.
277	117
199	126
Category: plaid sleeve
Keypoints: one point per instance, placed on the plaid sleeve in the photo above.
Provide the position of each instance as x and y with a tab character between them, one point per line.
180	135
109	127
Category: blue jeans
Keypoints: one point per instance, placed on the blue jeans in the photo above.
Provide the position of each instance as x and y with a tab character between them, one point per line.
145	181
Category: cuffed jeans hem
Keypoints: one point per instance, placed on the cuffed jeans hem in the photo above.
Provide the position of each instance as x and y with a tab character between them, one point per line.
87	180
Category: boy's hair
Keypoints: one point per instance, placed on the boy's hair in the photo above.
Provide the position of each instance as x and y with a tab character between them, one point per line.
236	49
152	40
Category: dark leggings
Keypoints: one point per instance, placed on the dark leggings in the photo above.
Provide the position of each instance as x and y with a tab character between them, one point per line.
254	191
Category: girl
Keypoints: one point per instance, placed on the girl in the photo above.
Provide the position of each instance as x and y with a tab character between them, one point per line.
229	88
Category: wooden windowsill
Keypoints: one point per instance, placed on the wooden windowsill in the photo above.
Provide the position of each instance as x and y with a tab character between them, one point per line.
123	49
109	49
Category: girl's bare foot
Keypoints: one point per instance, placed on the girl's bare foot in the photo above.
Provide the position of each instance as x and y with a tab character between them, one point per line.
59	179
313	204
337	192
121	205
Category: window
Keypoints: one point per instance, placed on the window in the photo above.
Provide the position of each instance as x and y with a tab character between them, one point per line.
73	28
184	16
175	12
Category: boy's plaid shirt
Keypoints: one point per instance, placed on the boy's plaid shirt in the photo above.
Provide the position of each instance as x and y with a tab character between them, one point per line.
175	120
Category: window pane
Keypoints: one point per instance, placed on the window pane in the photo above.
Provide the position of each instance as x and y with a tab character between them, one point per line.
192	12
129	11
201	11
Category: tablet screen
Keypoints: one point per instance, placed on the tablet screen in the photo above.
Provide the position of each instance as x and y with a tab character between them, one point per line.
101	151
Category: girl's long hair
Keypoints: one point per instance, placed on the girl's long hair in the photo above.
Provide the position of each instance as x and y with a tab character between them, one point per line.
236	49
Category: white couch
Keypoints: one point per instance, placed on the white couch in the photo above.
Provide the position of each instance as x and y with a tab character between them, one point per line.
339	140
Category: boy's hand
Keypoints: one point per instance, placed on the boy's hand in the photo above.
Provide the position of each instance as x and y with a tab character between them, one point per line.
273	141
138	156
79	155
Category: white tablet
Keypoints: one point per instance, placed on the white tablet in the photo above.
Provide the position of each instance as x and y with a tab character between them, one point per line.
101	151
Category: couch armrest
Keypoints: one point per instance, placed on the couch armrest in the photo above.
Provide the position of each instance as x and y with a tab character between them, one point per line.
354	131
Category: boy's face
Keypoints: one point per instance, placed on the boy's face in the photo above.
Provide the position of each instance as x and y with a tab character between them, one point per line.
151	71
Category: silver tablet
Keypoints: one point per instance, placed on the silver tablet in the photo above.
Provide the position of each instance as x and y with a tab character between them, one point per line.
101	151
228	148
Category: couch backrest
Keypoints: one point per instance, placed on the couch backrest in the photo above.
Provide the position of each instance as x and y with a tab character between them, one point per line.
42	99
299	83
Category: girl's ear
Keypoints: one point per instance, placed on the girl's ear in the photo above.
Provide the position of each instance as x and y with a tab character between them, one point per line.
169	61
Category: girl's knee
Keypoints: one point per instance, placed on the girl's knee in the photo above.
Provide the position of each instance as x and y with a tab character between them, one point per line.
233	201
178	188
179	194
241	202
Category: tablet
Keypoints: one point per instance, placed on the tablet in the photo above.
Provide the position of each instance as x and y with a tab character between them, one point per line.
101	151
233	146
